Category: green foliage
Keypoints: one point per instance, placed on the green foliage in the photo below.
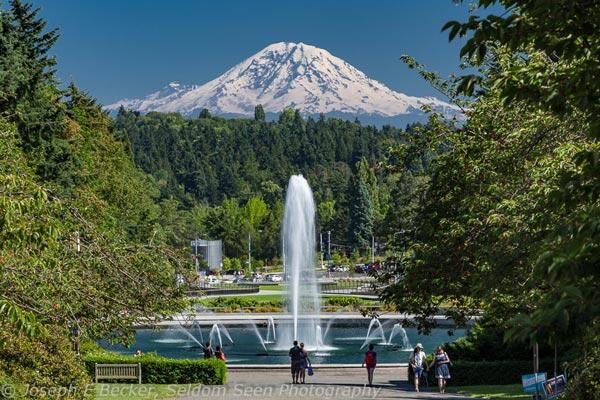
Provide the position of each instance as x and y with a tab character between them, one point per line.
83	242
487	344
259	113
156	369
503	372
45	361
494	372
346	302
198	163
361	215
29	97
554	50
545	55
204	113
509	216
585	382
240	303
23	322
487	212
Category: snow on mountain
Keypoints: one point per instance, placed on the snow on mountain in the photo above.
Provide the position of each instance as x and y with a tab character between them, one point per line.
284	75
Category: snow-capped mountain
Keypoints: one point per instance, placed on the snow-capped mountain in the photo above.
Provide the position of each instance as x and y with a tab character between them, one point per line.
284	75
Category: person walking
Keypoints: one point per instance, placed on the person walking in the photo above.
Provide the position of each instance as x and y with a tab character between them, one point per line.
441	361
207	350
220	354
304	364
370	361
296	361
417	363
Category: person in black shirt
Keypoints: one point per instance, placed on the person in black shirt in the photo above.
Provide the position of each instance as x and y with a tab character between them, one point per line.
296	359
208	351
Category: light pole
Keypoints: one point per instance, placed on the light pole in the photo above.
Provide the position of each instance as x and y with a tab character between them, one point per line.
250	248
321	249
328	247
249	251
372	249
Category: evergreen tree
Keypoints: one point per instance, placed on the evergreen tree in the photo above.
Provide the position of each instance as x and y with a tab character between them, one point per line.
361	215
29	96
204	113
259	113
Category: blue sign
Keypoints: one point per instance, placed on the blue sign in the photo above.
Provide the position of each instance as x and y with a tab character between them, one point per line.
533	381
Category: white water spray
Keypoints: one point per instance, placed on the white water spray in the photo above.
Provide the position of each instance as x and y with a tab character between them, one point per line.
258	336
374	321
271	335
398	329
215	333
298	243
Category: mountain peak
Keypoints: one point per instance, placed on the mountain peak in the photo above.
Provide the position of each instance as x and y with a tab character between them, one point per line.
287	74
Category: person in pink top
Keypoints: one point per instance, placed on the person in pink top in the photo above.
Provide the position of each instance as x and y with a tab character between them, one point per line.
370	361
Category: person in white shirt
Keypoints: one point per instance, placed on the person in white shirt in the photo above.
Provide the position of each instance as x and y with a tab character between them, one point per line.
417	362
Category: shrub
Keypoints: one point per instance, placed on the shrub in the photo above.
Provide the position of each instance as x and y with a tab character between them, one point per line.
156	369
505	372
585	372
44	361
238	303
487	344
345	301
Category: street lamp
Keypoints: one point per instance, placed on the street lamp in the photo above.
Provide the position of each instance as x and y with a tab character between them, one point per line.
250	248
76	334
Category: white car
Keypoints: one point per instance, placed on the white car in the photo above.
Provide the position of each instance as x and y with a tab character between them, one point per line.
212	280
275	278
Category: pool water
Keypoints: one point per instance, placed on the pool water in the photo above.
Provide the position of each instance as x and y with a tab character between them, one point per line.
341	344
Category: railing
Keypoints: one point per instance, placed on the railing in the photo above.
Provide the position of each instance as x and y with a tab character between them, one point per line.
208	289
118	371
350	286
324	308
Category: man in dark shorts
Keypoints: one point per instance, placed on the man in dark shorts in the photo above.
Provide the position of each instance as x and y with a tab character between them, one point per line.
296	361
207	350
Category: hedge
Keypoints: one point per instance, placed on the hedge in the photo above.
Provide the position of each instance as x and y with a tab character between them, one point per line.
505	372
156	369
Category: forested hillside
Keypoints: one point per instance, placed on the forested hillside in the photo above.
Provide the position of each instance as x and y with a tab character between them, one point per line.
227	170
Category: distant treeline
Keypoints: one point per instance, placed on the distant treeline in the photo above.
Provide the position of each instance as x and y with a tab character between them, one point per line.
211	162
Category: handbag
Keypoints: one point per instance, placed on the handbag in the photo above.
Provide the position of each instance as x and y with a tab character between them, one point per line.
309	370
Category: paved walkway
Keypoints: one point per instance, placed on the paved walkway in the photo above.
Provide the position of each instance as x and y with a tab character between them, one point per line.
329	383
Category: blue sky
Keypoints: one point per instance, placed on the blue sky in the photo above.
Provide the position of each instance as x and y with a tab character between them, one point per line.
129	48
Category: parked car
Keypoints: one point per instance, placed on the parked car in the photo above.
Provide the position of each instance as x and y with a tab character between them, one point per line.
361	268
212	280
275	278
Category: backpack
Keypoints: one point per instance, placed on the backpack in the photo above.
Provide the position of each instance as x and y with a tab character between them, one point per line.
370	358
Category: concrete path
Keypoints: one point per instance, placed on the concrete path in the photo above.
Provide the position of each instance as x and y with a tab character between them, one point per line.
325	384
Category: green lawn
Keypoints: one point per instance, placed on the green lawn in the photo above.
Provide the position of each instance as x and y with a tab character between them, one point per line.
126	391
499	392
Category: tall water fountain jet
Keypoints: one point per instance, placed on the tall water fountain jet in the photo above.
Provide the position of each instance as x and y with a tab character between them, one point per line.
298	243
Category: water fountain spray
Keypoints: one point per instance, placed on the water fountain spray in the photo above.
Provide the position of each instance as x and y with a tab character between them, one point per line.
298	243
